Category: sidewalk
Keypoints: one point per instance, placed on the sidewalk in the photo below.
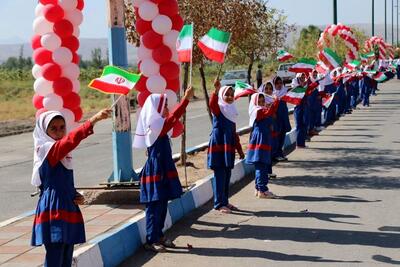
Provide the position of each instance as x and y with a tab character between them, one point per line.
15	249
339	207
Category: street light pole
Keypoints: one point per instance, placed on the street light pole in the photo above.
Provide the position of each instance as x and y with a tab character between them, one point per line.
397	28
385	20
373	17
334	11
392	22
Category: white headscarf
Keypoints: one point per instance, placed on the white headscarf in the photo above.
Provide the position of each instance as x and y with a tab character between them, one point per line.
150	121
42	145
254	108
295	81
278	93
228	110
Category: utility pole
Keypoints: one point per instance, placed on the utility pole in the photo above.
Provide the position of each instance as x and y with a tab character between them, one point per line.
385	20
397	28
121	133
373	17
392	22
334	11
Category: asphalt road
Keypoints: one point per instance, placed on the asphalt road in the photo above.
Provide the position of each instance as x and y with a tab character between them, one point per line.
92	159
339	206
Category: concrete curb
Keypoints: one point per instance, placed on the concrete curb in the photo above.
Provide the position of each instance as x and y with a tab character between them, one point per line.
113	248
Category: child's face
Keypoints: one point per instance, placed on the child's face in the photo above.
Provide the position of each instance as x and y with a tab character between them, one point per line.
315	75
165	113
278	84
229	96
261	100
269	89
56	129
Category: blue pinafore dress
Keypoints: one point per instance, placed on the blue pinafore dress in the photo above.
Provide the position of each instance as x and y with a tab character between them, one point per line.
260	144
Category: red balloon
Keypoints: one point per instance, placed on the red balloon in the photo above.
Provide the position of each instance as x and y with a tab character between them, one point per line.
53	13
142	96
78	114
62	86
35	42
142	26
162	54
177	22
156	1
40	111
72	101
75	58
177	130
63	28
71	42
37	101
45	2
51	71
170	70
140	86
42	56
168	8
151	39
80	5
174	85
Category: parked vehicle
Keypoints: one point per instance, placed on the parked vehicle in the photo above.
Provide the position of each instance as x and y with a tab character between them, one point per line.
231	76
283	72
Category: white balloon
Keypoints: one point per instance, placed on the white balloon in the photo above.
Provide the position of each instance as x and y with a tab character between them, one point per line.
144	53
76	86
76	32
170	38
148	11
50	41
41	26
161	24
36	71
149	67
175	57
39	10
75	17
62	56
68	116
156	84
42	86
137	3
53	102
70	71
68	5
172	98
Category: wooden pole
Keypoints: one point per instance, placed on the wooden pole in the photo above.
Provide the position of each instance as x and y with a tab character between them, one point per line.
183	140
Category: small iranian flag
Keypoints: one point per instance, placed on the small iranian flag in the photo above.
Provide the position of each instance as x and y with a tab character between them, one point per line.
184	44
321	67
380	77
215	44
352	65
115	81
283	56
330	58
243	89
327	101
304	65
294	96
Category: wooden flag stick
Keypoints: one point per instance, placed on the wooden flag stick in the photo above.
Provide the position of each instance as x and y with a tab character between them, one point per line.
219	70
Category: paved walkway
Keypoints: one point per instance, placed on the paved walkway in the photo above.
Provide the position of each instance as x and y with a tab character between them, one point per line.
340	204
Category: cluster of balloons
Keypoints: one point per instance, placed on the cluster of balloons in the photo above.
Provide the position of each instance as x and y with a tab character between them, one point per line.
158	24
346	34
56	70
376	41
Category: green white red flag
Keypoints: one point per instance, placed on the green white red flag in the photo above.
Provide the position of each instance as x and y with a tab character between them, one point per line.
352	65
284	56
380	77
184	44
215	44
304	65
243	89
295	96
327	101
115	81
330	58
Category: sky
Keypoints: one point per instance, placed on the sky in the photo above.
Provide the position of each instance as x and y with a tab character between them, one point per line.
16	16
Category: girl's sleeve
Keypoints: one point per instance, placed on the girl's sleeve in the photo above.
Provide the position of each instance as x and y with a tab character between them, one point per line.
311	87
265	113
62	147
174	116
214	107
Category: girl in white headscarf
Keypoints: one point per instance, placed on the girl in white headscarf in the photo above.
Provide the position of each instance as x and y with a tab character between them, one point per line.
58	222
224	141
159	180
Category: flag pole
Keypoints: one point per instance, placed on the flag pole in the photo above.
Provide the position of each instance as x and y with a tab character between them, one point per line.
191	58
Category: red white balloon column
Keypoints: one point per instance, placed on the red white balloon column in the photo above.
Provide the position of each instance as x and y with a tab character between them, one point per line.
158	24
56	70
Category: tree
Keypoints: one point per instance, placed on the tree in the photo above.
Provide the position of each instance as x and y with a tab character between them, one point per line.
97	60
306	45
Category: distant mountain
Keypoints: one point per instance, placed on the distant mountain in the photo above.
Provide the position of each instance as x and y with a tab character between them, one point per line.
86	47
